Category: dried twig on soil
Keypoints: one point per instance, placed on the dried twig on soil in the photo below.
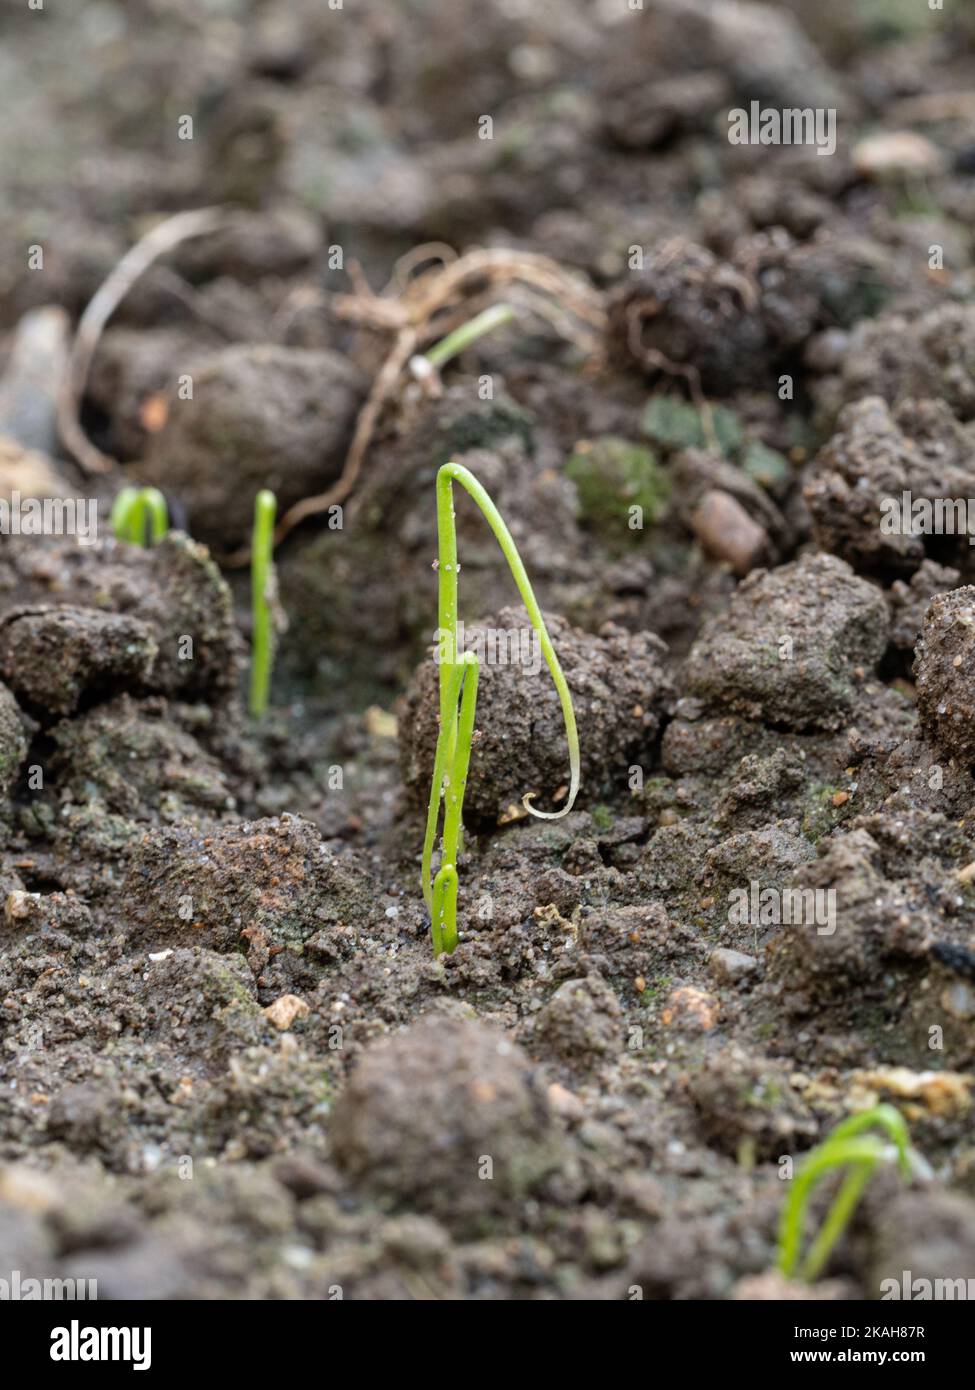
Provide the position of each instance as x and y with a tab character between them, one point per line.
434	302
136	261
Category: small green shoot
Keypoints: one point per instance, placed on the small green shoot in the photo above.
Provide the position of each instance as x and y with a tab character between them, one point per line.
849	1147
458	702
467	334
262	600
133	508
426	367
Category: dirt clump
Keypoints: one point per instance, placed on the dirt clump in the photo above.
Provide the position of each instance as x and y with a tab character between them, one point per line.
745	1099
756	49
931	1236
53	658
260	416
630	943
267	885
931	356
581	1024
945	697
13	744
174	589
89	1117
909	602
736	321
127	763
871	922
689	309
201	1003
856	485
618	686
408	1118
132	376
789	650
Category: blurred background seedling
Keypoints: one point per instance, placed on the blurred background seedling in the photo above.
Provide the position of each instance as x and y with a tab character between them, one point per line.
851	1148
428	366
140	515
262	601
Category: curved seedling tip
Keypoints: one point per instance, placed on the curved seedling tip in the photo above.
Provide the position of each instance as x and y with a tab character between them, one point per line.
129	511
886	1117
529	797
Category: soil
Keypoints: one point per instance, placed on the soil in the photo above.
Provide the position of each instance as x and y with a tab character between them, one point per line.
230	1066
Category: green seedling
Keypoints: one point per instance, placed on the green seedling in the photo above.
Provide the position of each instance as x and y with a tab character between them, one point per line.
468	333
262	600
137	510
848	1147
458	702
427	366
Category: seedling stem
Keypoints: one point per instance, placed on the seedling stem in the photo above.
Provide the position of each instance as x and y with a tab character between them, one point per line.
458	683
468	333
262	580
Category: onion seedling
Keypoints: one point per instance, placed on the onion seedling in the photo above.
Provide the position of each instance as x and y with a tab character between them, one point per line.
848	1147
426	367
131	510
262	600
458	702
468	333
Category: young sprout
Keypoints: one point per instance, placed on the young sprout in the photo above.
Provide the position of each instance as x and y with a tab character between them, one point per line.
130	511
427	366
122	509
458	686
262	600
849	1147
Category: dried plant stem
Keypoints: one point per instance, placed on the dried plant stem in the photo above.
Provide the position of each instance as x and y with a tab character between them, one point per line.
163	237
416	318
